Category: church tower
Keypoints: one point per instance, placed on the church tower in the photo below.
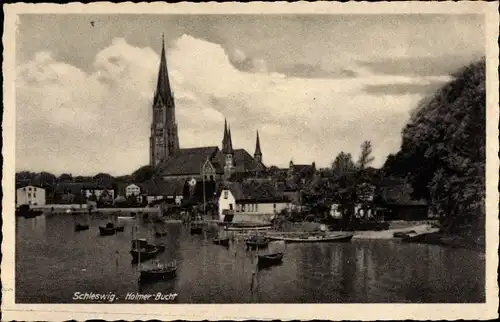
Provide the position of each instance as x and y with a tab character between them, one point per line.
164	139
227	150
258	153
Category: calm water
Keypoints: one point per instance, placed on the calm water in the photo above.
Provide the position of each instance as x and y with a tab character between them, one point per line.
53	262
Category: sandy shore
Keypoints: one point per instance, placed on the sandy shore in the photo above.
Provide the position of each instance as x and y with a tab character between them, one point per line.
389	234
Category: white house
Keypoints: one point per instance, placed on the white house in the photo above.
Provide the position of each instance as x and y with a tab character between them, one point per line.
251	201
132	190
96	190
30	195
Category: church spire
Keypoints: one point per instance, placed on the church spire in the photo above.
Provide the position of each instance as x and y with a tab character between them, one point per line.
258	153
163	89
224	138
227	142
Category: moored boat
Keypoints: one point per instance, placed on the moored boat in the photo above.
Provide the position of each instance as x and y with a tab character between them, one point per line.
315	239
81	227
257	242
224	241
143	254
107	230
196	230
159	272
266	260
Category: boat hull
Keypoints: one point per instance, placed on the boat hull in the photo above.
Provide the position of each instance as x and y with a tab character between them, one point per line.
143	255
155	275
196	231
270	260
221	241
105	231
335	239
81	227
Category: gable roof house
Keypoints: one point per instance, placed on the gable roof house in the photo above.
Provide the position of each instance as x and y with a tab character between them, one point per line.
251	200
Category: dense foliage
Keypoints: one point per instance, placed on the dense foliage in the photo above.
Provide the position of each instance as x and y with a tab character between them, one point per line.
443	149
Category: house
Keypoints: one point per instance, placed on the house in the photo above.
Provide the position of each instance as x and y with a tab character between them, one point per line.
97	191
132	190
395	202
30	195
171	190
251	200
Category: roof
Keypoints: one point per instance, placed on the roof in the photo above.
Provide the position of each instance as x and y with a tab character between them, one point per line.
24	185
187	161
163	187
255	190
243	161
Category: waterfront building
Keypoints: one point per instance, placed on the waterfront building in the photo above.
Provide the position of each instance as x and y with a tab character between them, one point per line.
132	190
207	163
30	195
251	200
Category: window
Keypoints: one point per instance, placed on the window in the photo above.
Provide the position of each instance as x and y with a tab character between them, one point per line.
230	206
34	195
29	195
24	189
29	189
274	206
225	194
256	208
34	189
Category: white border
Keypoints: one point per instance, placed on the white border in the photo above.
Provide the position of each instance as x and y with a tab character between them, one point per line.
57	312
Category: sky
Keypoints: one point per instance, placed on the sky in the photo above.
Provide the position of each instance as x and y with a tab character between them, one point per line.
312	85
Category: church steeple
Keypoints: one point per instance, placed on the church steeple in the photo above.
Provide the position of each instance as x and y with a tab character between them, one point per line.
164	139
163	90
227	142
224	138
258	153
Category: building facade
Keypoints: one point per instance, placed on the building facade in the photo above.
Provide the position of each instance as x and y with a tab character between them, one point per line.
30	195
132	190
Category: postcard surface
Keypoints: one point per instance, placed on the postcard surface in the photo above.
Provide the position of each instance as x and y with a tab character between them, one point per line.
288	160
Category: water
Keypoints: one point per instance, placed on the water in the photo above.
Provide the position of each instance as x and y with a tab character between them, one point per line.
53	262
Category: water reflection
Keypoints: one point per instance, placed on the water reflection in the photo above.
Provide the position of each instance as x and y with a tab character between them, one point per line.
48	249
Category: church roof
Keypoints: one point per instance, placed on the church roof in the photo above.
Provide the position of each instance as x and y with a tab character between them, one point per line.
187	161
243	161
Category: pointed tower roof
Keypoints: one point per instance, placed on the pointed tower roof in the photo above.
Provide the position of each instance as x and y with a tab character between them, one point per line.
163	89
257	145
229	140
224	138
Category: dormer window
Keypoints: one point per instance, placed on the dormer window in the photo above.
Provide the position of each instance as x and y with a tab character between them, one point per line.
225	194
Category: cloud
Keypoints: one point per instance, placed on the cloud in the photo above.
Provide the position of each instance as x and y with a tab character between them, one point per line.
420	65
424	87
69	120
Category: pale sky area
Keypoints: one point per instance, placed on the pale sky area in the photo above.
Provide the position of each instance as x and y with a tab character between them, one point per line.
312	85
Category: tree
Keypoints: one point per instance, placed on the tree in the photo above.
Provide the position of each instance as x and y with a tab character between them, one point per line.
342	165
444	143
65	177
365	158
143	174
104	179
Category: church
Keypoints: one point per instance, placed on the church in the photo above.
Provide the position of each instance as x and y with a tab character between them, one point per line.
173	163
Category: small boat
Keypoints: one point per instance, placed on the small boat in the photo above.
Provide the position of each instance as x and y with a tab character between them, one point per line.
257	242
403	234
125	218
160	272
270	259
143	254
197	230
340	238
107	230
224	241
81	227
